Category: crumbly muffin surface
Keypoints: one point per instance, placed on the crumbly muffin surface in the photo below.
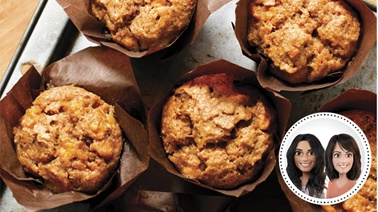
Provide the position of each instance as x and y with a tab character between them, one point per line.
70	138
141	24
305	40
366	198
216	133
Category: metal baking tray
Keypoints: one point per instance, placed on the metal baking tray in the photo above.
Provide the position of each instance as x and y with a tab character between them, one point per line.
51	36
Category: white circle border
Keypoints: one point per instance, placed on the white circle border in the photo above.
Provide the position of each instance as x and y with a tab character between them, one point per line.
365	156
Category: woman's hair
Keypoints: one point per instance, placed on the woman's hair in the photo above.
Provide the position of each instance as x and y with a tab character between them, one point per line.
315	184
348	143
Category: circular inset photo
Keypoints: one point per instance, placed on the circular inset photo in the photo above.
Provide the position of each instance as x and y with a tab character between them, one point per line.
324	158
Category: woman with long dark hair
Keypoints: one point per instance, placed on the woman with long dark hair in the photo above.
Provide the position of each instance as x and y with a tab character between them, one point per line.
305	165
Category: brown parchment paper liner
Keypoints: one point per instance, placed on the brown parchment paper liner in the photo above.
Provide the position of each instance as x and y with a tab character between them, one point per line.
281	104
367	38
351	99
78	12
354	98
103	71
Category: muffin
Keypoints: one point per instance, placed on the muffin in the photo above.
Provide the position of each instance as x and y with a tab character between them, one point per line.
216	132
366	198
303	41
70	139
141	25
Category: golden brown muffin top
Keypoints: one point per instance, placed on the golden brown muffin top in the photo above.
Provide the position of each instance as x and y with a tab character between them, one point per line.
305	40
141	24
217	133
70	138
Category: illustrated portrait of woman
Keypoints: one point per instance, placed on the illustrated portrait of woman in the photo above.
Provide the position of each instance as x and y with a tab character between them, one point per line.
305	165
343	164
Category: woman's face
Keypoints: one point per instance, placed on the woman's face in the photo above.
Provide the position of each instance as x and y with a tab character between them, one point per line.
304	157
342	159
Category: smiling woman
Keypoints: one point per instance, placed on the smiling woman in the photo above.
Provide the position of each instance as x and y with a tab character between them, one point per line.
305	164
325	126
343	164
304	158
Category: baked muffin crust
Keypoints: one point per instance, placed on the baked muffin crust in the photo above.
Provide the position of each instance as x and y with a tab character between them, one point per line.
304	40
141	24
217	133
70	138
